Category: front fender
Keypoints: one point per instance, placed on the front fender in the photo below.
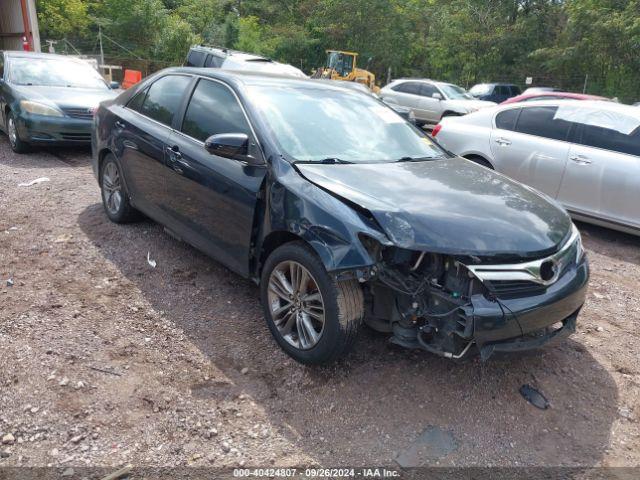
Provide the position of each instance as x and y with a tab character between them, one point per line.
330	226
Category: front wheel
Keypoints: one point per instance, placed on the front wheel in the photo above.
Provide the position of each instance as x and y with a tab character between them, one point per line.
17	145
313	317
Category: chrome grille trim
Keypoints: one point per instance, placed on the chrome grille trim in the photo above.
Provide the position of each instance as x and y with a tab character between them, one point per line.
530	271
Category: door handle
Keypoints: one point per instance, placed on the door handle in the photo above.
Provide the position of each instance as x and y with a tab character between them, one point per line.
174	153
580	159
503	142
119	124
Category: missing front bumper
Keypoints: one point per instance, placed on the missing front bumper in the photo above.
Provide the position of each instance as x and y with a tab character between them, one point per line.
533	341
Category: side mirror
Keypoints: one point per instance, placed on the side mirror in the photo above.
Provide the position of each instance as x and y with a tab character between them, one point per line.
230	145
437	96
114	85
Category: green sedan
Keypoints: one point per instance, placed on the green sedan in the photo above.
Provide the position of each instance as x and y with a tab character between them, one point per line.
48	99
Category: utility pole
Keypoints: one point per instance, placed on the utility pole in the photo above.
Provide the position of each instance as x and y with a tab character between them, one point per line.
586	79
101	50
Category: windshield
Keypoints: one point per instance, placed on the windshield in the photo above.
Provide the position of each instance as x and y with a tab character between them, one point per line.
317	124
454	92
54	72
481	89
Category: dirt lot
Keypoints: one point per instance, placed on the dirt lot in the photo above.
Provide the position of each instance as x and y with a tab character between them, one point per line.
106	361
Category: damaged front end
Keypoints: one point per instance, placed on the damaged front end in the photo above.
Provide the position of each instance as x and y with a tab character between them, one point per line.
446	304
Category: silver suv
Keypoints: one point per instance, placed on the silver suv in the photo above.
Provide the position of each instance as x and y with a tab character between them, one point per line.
214	57
429	100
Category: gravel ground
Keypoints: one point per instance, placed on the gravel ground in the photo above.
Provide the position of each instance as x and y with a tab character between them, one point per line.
105	360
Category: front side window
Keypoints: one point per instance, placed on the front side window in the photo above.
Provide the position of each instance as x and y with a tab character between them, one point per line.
427	90
1	66
164	97
507	120
454	92
315	123
213	109
54	72
541	121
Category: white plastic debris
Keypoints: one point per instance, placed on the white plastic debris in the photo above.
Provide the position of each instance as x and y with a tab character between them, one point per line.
153	263
33	182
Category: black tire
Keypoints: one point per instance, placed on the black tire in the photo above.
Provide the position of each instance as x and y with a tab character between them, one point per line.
343	306
17	145
120	211
480	161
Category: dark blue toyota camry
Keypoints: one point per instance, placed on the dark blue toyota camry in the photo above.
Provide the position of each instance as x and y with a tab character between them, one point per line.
343	212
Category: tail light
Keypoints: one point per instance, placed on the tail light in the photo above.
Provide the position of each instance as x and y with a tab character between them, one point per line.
436	130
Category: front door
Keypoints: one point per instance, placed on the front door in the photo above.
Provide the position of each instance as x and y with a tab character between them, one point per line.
212	198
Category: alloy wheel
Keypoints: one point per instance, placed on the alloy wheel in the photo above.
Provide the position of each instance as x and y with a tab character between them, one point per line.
112	188
13	133
296	305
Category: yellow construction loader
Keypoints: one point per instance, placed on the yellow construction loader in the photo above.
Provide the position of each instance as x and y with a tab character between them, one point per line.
341	65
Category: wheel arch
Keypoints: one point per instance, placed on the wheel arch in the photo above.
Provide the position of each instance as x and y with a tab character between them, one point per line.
480	159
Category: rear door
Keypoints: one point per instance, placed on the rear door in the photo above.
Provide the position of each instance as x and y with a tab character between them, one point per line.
529	145
142	130
602	177
212	199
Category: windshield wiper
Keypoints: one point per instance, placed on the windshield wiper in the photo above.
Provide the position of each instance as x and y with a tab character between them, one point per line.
415	159
333	160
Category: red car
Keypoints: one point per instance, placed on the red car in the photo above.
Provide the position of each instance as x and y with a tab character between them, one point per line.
529	97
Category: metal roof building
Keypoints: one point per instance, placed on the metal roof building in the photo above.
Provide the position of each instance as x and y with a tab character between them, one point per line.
19	25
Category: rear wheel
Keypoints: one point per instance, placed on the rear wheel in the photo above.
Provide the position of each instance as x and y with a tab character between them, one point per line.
115	198
312	316
17	145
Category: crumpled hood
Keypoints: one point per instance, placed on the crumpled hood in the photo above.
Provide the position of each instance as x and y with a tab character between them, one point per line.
64	96
469	105
448	206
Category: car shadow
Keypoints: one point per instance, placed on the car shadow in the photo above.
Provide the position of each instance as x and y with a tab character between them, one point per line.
372	405
47	156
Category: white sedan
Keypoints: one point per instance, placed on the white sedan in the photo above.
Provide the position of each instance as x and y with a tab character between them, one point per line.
585	154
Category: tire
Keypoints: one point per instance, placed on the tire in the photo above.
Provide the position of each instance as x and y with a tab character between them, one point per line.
17	145
480	161
115	198
342	303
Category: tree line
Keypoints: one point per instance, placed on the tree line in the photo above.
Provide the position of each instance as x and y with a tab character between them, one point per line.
569	44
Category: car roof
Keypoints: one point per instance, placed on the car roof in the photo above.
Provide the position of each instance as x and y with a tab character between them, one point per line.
621	108
241	78
237	54
23	54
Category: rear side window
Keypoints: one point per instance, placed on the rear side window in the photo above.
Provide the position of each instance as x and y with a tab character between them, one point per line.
539	121
213	109
136	102
195	58
164	98
515	90
1	65
507	120
408	87
612	140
